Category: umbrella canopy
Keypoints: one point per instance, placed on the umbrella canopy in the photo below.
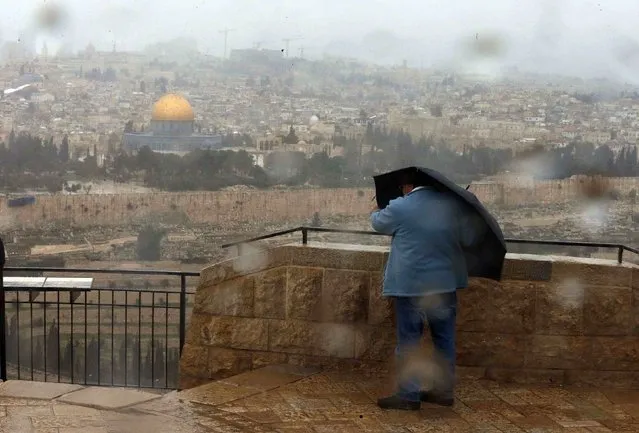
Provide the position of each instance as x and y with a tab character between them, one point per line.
485	259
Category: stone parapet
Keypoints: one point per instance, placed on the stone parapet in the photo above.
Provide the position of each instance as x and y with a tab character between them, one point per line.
550	320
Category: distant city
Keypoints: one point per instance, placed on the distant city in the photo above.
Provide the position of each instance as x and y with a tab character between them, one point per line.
174	99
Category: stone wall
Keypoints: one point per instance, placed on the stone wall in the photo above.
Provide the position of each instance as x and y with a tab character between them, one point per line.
219	208
551	319
227	207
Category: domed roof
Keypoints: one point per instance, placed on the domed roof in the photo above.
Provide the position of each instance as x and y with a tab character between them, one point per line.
172	107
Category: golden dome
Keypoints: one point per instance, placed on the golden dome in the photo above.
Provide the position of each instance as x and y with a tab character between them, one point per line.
172	107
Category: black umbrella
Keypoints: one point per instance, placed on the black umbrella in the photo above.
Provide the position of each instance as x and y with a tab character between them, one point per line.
485	259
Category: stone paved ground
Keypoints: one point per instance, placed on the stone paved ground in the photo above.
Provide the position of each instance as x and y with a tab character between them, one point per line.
293	401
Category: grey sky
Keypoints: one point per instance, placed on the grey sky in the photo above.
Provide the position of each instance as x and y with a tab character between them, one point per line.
567	35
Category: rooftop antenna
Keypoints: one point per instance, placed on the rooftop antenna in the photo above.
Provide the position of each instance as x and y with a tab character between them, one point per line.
226	32
288	43
301	49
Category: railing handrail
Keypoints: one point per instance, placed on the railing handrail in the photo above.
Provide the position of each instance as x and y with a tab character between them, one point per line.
122	272
305	229
151	272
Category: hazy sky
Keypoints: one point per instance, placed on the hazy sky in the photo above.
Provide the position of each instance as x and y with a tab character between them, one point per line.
563	35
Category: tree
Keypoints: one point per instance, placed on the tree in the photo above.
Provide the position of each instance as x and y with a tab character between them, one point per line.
92	361
159	362
148	243
64	149
128	127
38	356
12	340
291	138
147	366
316	222
436	110
66	363
53	349
113	142
12	140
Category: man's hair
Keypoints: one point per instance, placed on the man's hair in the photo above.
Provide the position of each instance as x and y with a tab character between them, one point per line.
411	178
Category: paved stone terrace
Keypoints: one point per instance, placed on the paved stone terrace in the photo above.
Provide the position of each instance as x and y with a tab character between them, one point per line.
287	400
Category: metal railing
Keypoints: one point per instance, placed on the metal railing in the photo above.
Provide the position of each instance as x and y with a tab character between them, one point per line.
306	230
116	333
127	329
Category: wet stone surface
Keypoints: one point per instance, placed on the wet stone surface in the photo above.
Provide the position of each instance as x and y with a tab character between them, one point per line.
335	402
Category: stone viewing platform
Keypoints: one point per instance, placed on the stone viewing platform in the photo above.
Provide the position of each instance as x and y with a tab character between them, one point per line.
552	320
287	399
298	339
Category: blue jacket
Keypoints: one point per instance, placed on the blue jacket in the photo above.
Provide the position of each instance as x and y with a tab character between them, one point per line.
429	230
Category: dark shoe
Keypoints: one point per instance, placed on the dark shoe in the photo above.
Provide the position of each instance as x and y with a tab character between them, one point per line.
396	402
429	397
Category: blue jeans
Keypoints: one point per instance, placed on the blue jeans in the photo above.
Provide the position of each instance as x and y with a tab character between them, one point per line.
440	312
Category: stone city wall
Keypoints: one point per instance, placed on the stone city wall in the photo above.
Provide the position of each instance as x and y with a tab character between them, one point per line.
262	206
551	319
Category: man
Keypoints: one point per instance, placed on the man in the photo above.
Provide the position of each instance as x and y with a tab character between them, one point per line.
425	267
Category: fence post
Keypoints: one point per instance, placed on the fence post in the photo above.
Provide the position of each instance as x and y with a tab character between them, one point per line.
3	318
182	311
620	254
304	235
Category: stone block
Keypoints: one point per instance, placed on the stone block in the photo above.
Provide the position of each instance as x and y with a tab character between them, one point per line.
527	269
559	309
526	375
614	353
333	339
216	393
338	364
188	382
479	349
344	258
608	311
469	373
380	308
264	379
228	298
194	361
318	339
603	379
559	352
291	336
304	293
108	398
195	327
254	260
263	359
345	296
223	363
270	294
592	274
35	390
235	333
488	306
375	342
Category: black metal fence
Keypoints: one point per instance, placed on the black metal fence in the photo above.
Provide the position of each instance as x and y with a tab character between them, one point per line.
127	328
304	230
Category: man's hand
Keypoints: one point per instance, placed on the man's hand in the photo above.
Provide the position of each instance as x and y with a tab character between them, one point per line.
375	208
